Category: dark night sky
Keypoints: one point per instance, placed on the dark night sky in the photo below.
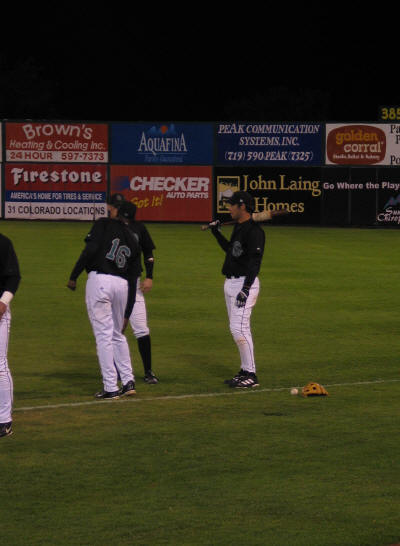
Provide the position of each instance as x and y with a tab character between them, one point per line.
309	67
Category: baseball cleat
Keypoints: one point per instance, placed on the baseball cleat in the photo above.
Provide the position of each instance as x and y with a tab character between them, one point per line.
247	382
104	395
128	389
5	429
235	380
150	378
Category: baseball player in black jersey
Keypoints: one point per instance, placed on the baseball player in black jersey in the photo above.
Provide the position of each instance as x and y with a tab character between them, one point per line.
9	282
138	318
242	263
111	258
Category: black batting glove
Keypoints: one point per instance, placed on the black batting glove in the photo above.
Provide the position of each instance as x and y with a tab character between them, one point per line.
241	298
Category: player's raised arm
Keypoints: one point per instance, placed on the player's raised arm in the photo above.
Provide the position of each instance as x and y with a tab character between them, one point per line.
216	231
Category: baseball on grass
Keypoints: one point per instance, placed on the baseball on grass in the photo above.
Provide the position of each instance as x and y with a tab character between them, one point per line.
294	391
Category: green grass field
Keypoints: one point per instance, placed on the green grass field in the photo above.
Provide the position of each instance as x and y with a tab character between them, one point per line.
188	461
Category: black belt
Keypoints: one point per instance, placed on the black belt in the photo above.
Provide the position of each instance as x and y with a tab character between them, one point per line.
234	276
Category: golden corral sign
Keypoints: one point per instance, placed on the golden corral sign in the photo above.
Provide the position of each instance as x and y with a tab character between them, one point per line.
363	144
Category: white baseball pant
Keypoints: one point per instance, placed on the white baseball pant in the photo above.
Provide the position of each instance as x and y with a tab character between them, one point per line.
138	318
6	382
106	297
239	319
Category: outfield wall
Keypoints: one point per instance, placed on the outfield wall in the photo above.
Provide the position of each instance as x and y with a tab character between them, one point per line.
323	174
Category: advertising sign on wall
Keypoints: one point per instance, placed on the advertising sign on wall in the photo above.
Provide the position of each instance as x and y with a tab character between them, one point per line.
55	191
295	190
388	205
162	143
362	196
59	142
165	193
349	196
363	144
269	143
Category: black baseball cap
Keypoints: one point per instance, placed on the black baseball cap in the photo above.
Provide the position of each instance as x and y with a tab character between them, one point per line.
116	200
127	210
242	197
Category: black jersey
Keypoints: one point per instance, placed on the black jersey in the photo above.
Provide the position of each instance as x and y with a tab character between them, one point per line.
244	251
111	248
146	246
9	267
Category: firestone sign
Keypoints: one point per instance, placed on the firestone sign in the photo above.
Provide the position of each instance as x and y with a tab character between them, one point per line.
55	191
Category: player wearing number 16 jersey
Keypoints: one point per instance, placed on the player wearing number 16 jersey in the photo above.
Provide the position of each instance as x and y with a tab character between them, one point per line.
138	318
111	258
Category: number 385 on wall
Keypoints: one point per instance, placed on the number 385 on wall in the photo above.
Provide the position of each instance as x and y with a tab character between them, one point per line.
389	113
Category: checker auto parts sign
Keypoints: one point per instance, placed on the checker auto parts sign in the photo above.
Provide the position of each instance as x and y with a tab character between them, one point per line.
162	143
363	144
165	193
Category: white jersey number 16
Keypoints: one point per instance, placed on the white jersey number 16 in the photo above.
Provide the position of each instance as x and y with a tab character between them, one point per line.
118	254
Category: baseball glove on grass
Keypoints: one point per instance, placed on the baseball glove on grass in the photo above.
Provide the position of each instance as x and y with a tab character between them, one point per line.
314	389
